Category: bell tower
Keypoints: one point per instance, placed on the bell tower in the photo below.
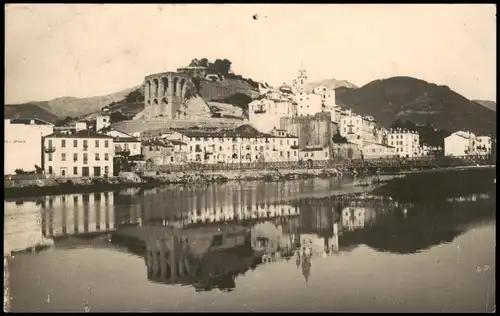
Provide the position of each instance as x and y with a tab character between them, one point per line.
302	80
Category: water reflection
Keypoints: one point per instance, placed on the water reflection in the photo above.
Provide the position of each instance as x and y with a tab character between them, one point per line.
207	236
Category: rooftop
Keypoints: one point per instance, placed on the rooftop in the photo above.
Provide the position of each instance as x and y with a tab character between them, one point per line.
308	149
78	134
29	121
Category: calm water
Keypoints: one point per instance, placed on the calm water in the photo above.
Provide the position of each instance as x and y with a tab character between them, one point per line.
253	246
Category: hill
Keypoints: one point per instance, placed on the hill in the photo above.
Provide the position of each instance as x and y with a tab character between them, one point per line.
331	84
36	109
488	104
59	108
418	101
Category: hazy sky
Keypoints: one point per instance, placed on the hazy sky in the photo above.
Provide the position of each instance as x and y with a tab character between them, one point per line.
87	50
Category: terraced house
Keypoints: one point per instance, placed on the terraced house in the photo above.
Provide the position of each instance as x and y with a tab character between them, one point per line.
81	153
242	145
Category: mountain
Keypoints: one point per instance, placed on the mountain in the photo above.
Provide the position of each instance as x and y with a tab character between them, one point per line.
60	108
331	84
418	101
35	109
489	104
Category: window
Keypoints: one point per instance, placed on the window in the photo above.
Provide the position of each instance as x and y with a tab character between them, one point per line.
85	145
85	158
63	143
50	157
75	143
106	169
106	143
106	156
50	143
50	169
134	146
97	157
75	171
96	143
63	156
75	157
63	172
171	159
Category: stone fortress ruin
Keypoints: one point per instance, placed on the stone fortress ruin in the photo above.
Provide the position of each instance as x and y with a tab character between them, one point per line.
164	94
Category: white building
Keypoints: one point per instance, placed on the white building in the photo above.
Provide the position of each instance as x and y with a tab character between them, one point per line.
265	114
460	144
315	153
23	143
123	141
327	96
102	121
78	154
376	151
307	103
350	127
407	143
245	144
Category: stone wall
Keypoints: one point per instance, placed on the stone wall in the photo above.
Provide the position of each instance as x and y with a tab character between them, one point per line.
142	125
220	90
313	130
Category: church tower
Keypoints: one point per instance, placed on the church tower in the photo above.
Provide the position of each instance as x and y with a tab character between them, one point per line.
300	83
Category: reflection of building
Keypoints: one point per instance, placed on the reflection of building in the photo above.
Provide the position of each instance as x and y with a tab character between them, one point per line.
74	214
180	259
23	143
22	226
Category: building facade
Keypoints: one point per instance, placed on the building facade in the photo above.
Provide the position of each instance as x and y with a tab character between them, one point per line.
377	151
460	143
407	143
23	143
314	153
245	144
78	154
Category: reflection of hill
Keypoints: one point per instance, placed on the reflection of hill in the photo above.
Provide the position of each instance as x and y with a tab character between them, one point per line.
422	227
438	185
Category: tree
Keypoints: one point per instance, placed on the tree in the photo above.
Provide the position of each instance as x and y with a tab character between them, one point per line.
117	117
203	62
135	96
338	139
222	66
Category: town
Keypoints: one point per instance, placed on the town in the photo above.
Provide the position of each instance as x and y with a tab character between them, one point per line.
290	124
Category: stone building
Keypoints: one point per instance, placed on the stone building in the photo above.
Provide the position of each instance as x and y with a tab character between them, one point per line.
311	130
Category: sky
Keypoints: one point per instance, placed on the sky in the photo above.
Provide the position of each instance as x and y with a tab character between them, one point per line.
83	50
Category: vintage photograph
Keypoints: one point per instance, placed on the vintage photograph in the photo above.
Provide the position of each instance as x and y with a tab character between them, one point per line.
250	158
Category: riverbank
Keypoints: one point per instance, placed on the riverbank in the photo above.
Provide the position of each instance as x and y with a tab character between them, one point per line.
52	186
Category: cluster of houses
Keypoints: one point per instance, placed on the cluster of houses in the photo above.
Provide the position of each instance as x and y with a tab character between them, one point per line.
81	151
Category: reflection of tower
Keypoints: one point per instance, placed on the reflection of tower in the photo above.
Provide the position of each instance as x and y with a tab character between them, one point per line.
306	267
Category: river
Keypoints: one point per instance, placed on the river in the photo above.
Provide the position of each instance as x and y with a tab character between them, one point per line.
252	246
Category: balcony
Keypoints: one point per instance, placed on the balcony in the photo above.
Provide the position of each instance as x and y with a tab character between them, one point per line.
49	150
294	147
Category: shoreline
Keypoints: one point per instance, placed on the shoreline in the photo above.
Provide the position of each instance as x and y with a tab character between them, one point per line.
14	189
38	188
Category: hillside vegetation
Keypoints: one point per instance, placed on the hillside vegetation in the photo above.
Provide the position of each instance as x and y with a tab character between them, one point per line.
417	101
